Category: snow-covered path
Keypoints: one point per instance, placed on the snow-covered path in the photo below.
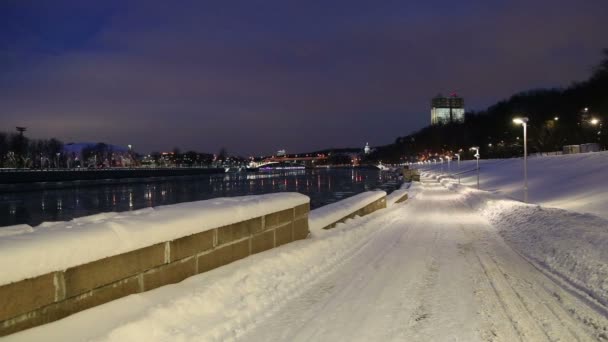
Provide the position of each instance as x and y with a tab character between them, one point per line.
437	272
428	269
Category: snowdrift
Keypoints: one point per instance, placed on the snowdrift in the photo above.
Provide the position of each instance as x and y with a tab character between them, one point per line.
573	182
570	245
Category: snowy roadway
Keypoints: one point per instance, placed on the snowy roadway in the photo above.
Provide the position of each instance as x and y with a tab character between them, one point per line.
429	269
437	272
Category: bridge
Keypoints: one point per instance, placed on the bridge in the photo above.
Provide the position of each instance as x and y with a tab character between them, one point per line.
306	160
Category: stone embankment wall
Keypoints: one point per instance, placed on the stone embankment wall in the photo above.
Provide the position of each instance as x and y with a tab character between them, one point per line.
366	210
410	175
52	296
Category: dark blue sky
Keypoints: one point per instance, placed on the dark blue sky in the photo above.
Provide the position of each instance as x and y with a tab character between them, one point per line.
257	76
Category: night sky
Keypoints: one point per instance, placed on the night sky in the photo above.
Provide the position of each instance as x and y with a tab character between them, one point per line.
258	76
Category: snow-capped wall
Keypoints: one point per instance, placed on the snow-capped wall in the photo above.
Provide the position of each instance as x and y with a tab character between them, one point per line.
398	195
57	269
27	252
327	215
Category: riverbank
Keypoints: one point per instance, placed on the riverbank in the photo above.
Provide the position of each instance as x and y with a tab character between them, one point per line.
13	177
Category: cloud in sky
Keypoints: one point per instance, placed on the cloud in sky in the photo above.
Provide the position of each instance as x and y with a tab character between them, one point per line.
256	77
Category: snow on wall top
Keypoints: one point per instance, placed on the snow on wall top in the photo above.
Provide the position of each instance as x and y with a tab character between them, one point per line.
328	214
28	252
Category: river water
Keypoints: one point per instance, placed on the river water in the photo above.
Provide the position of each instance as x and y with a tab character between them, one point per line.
323	186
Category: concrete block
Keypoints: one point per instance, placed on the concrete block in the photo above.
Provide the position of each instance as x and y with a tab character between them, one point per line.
300	229
26	295
302	210
83	278
56	311
402	199
169	274
279	218
223	255
284	234
98	296
188	246
262	241
238	230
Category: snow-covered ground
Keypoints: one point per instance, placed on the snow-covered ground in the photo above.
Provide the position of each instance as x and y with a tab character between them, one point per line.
434	268
576	182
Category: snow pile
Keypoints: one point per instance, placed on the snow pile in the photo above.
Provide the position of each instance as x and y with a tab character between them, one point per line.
331	213
221	304
53	246
573	182
569	244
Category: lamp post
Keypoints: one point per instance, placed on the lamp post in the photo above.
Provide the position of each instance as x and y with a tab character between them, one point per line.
524	122
449	158
476	149
458	156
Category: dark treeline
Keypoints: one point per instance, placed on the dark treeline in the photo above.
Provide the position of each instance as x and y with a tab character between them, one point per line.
558	117
16	150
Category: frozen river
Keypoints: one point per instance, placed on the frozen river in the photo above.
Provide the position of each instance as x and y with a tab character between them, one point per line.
323	186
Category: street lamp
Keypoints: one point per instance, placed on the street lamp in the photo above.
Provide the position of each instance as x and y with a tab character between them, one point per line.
449	158
524	122
476	149
458	156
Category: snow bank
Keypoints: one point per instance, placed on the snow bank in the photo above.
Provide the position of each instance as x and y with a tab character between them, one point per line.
573	182
569	244
55	246
331	213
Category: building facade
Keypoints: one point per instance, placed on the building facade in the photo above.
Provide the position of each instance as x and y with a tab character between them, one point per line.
447	109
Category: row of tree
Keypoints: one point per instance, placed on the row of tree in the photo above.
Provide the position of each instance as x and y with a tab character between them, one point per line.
557	117
17	151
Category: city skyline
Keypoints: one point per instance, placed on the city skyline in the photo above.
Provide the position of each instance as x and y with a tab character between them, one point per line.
256	78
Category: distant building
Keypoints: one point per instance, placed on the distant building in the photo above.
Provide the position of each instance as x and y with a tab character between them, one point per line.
367	149
447	109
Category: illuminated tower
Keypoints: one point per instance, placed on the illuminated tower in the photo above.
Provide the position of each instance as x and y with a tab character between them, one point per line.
447	109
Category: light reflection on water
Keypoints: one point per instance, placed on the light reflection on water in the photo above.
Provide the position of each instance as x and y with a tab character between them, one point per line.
322	186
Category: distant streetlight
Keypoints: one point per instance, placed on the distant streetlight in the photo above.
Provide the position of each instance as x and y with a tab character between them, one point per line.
524	122
458	156
556	118
476	149
594	121
449	158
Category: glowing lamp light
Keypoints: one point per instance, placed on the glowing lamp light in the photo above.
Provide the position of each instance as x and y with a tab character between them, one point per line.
594	121
520	121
